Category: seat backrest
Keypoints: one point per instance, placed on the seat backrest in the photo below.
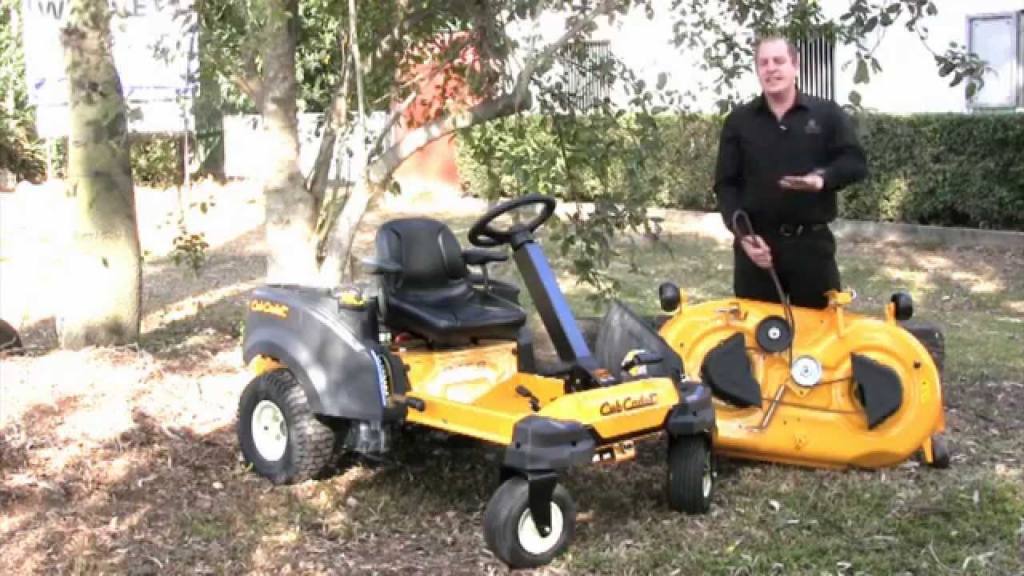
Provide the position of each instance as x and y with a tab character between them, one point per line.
430	256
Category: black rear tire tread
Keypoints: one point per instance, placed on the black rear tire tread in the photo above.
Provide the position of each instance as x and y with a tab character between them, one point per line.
501	523
940	453
9	340
687	458
311	442
931	337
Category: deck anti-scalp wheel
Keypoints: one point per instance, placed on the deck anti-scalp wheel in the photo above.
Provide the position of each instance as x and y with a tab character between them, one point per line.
279	434
511	534
691	479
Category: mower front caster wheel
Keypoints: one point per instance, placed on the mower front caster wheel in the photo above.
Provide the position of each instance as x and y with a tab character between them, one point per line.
691	478
511	534
279	434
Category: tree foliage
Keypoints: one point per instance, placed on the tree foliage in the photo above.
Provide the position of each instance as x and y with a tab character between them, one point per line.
615	156
481	44
20	152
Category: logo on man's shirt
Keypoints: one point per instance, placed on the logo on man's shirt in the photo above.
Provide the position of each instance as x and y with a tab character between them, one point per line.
812	127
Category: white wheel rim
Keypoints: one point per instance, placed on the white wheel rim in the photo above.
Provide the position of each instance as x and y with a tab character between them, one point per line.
707	480
530	538
269	431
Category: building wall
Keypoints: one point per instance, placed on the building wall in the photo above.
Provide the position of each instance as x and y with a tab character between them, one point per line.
909	81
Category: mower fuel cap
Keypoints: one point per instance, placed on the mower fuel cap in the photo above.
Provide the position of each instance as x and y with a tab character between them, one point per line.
806	371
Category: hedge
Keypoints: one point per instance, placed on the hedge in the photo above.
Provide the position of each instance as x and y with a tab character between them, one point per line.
156	160
19	153
942	169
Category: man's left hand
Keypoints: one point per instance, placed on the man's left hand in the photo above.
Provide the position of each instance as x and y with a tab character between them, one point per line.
812	182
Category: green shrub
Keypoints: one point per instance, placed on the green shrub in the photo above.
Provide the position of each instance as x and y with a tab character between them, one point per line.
943	169
156	160
20	152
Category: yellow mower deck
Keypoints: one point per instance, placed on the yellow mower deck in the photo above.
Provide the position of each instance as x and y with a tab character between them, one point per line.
823	425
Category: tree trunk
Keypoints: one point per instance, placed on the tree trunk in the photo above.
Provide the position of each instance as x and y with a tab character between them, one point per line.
337	264
103	304
290	210
209	111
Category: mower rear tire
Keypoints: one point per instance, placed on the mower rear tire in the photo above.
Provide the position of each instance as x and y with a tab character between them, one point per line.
940	453
9	340
278	433
691	479
931	337
511	534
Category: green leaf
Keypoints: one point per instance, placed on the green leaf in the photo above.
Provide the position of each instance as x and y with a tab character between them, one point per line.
862	76
854	98
662	80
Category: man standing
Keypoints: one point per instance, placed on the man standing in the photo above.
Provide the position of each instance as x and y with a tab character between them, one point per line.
781	159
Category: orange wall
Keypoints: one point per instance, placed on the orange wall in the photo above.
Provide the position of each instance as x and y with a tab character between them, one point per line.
434	163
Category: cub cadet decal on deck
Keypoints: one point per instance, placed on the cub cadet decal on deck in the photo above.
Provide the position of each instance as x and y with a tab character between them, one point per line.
268	307
628	403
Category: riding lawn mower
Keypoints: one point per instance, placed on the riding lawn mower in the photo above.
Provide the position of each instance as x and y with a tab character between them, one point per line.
439	348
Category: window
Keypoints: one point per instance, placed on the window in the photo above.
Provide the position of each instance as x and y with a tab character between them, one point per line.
818	66
587	74
996	39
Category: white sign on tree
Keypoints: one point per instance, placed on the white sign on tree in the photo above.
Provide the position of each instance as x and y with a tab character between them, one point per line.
154	44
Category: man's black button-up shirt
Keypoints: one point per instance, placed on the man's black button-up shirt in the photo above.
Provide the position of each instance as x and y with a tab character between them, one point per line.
757	149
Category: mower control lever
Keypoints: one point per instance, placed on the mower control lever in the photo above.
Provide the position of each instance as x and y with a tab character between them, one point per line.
415	403
525	393
643	358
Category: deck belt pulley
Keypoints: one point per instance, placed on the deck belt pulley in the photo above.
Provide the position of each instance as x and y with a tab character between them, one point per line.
774	334
771	327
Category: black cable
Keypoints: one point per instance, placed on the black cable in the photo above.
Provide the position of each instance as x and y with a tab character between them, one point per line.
783	297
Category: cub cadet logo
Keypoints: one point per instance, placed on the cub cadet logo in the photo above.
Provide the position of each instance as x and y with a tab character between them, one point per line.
628	403
268	307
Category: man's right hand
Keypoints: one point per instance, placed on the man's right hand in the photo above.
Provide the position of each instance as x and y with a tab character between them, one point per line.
757	250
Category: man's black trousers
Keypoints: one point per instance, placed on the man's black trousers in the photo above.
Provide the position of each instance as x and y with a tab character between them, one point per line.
805	263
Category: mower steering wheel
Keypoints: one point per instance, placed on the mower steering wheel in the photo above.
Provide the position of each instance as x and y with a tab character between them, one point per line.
482	234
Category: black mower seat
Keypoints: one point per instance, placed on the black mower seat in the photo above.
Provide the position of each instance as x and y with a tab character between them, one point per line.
432	294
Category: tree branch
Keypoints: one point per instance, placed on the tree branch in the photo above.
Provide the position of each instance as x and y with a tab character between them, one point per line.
250	82
522	85
395	115
516	100
381	168
337	110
